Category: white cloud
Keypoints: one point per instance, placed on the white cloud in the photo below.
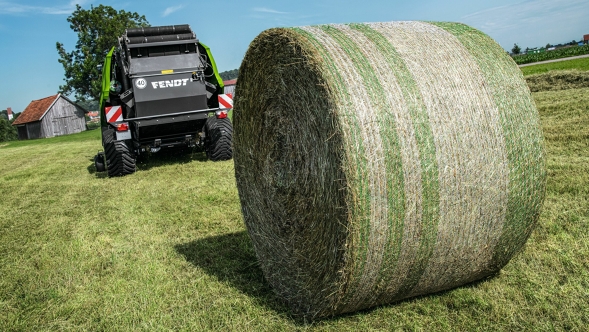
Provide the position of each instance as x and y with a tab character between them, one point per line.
532	23
268	10
7	7
170	10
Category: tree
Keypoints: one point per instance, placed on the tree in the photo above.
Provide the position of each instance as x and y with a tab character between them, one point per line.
7	131
4	115
516	49
98	30
89	105
548	45
229	74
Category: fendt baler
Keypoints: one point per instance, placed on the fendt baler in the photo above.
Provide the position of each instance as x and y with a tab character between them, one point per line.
161	89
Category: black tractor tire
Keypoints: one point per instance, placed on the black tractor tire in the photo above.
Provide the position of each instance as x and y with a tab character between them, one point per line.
219	137
120	160
99	162
108	136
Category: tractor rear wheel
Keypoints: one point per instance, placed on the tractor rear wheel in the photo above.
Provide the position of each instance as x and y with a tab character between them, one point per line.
219	135
120	160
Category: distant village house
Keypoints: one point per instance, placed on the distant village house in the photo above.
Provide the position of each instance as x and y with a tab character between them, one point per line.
49	117
9	113
94	116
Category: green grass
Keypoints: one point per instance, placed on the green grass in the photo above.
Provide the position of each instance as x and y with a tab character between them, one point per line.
166	248
579	64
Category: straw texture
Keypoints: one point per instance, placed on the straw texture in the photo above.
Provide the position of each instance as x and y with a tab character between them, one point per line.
376	162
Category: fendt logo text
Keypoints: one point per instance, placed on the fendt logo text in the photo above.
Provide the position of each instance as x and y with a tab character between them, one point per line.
169	84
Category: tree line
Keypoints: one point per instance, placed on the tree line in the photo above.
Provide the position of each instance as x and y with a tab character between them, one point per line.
516	49
7	130
229	74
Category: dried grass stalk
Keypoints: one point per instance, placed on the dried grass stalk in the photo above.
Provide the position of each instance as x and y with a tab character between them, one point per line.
377	162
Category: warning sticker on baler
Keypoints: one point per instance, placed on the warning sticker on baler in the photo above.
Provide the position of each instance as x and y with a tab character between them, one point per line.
113	113
226	101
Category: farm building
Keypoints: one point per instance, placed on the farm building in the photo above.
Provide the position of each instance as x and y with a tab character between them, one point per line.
94	116
51	116
230	86
9	113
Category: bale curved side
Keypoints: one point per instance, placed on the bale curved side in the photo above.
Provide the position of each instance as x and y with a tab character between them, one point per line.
369	172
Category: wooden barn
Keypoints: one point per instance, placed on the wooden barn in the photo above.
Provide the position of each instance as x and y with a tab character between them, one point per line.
51	116
230	87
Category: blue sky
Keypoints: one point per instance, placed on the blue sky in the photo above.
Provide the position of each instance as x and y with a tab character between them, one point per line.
29	29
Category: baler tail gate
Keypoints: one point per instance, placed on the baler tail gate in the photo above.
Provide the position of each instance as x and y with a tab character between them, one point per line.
160	89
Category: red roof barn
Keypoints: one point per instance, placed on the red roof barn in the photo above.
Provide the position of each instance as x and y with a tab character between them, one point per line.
230	86
51	116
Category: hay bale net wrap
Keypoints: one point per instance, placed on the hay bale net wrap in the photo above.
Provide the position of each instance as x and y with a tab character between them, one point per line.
380	161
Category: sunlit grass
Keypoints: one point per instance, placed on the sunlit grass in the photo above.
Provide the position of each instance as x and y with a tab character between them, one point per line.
166	248
578	64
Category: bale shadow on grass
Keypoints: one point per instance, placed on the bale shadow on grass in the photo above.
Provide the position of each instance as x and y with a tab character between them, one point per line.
231	258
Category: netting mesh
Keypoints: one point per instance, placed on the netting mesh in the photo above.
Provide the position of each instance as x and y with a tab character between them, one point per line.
380	161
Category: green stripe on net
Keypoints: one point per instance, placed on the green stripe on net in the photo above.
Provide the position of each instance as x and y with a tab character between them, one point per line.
394	168
427	154
523	138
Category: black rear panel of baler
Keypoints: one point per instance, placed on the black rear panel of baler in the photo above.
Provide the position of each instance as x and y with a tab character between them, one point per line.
169	128
166	68
167	94
162	63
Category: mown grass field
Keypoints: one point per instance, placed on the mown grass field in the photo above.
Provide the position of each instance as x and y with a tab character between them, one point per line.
577	64
166	248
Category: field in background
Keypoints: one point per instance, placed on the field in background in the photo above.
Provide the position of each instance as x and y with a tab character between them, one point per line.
577	64
166	248
551	55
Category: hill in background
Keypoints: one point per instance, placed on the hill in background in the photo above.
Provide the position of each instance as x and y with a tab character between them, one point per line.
229	74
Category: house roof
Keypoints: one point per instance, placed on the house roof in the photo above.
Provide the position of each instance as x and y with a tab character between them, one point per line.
36	110
230	82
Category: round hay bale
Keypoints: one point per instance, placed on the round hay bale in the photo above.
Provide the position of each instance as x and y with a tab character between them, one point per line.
376	162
